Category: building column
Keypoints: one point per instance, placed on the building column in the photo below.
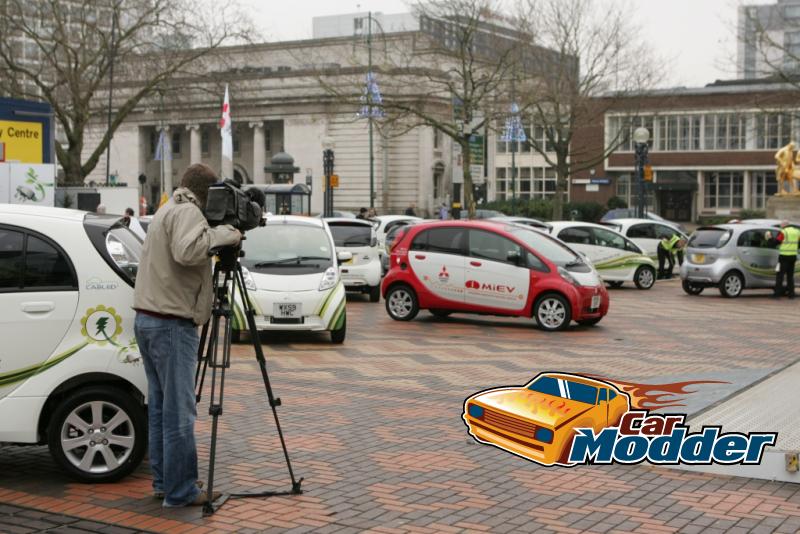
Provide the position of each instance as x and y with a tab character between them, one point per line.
194	143
701	192
259	153
746	200
165	165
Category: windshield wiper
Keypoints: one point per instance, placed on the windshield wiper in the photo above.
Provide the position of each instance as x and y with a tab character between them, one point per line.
296	259
574	263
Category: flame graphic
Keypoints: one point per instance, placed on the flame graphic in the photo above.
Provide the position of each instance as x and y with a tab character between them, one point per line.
657	396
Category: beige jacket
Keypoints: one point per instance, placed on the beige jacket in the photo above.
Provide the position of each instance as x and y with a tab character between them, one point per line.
174	275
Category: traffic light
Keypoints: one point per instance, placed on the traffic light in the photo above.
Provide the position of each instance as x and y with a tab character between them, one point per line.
648	173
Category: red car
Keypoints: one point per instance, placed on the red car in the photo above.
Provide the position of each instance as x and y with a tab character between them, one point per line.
492	268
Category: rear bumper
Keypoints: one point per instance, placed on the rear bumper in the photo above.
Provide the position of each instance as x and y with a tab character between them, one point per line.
702	274
584	309
361	276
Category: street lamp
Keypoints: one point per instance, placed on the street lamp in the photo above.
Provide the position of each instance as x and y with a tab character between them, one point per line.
640	138
328	145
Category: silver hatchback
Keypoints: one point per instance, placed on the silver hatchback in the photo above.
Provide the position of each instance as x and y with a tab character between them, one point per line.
731	257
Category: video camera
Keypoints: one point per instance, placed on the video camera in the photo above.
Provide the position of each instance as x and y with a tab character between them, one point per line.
228	204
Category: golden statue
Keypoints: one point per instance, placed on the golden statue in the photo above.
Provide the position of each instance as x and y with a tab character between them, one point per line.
785	170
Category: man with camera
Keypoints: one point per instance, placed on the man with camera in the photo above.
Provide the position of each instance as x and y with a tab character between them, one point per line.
173	296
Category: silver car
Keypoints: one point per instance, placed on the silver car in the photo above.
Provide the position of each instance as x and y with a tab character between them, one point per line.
731	257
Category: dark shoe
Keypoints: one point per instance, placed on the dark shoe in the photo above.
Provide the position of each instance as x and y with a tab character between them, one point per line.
160	494
202	498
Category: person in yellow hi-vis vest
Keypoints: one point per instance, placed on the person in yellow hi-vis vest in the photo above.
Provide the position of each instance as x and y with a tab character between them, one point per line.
664	250
787	241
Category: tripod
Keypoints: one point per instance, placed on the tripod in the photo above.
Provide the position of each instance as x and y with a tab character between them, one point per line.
228	281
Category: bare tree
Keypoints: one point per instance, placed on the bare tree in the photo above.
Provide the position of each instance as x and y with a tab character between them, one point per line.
63	52
452	75
593	50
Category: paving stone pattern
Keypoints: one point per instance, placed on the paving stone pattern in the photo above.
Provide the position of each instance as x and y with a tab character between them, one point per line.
374	426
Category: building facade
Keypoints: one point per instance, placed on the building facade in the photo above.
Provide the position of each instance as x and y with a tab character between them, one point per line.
711	149
768	38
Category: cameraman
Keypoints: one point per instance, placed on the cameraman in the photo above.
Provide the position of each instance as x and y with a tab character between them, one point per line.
173	296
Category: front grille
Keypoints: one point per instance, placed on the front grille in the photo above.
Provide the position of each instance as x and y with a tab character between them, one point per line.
506	422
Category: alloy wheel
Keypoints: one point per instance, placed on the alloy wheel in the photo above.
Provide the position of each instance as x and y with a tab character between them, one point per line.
97	437
551	313
401	303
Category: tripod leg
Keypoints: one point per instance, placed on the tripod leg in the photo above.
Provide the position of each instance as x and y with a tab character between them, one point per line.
273	401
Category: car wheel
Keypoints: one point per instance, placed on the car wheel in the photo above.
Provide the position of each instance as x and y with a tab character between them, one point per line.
691	289
645	277
552	312
731	285
337	336
98	434
589	322
401	303
440	313
374	293
615	285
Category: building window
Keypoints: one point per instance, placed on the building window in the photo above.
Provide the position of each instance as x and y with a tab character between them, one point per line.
724	190
237	143
621	131
437	139
762	186
524	182
268	140
500	173
549	182
725	131
501	146
772	130
176	143
792	11
205	142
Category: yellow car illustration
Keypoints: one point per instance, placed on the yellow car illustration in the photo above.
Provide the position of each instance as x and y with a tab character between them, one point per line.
538	421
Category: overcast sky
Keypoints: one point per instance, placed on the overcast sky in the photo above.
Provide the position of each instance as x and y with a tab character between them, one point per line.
696	37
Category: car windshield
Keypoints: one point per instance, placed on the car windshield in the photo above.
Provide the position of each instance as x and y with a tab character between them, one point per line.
547	247
710	238
287	249
566	389
351	235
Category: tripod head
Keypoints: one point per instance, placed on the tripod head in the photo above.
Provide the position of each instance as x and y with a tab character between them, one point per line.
227	257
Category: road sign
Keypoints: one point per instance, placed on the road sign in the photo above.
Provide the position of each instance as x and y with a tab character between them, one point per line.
648	173
334	180
600	181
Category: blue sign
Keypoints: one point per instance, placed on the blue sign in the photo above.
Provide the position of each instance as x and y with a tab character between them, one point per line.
600	181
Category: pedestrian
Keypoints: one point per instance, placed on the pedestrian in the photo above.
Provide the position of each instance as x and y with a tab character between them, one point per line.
787	242
362	213
133	224
665	250
372	213
444	213
411	209
172	297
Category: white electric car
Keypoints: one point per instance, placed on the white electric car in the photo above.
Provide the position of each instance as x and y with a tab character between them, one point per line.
363	271
616	258
384	224
71	375
290	268
645	233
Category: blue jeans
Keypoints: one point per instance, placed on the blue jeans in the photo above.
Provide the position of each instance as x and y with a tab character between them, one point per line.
169	351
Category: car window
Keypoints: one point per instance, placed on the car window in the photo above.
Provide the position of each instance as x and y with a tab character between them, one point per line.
710	238
580	235
491	246
547	246
602	395
536	264
611	394
287	249
665	232
642	231
607	238
566	389
351	235
45	266
442	240
11	259
754	238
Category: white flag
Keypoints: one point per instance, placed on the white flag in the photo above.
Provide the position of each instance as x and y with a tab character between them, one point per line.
227	138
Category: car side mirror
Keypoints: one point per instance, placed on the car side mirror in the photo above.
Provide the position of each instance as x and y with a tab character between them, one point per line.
373	242
513	257
344	255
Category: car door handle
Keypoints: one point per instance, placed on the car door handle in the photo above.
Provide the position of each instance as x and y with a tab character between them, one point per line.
419	256
475	263
37	307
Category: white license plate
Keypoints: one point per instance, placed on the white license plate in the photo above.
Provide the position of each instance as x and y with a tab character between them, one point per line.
595	302
291	310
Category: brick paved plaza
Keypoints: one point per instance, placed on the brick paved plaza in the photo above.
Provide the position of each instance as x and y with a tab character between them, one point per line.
374	426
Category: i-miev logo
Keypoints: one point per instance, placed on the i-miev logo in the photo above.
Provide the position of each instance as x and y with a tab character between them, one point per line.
568	419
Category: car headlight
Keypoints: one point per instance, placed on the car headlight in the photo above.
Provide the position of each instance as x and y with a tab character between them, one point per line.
568	277
545	435
475	411
329	279
249	283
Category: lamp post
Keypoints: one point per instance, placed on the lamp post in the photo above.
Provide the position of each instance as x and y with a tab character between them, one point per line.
640	138
328	145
